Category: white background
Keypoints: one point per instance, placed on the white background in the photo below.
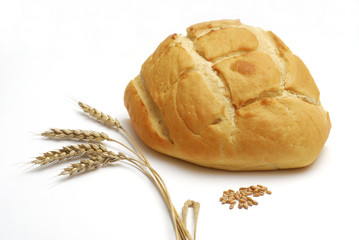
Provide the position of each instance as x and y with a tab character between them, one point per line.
55	52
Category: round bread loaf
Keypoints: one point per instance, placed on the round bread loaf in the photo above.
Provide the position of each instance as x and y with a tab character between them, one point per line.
228	96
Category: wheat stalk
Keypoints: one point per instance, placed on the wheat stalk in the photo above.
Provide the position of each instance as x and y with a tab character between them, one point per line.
104	118
98	156
76	134
69	152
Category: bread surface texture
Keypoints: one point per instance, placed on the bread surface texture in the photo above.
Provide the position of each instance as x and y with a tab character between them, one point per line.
228	96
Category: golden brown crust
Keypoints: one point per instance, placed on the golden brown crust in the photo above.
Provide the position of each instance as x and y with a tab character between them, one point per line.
249	75
281	128
192	107
217	43
196	29
243	104
164	67
279	43
299	80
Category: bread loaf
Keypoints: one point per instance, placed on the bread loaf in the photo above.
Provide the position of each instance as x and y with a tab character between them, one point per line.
228	96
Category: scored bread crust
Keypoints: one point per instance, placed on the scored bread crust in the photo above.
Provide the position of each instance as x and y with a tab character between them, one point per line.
228	96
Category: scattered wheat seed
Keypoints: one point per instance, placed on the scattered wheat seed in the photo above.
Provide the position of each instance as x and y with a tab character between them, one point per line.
243	196
262	188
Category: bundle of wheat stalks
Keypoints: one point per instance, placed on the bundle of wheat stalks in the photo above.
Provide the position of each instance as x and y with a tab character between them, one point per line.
94	154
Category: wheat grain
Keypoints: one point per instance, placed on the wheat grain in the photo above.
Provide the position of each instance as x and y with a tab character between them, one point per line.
75	134
68	152
243	196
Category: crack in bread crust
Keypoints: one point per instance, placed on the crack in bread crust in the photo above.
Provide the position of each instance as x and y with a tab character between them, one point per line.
153	110
214	82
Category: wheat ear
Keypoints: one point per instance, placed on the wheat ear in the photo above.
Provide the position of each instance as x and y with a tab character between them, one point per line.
69	152
94	161
100	116
76	134
83	166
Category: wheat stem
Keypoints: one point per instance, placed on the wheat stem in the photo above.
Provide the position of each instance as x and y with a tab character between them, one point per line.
135	144
161	186
169	203
123	145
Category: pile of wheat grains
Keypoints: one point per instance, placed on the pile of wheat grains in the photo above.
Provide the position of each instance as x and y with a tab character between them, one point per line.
242	196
